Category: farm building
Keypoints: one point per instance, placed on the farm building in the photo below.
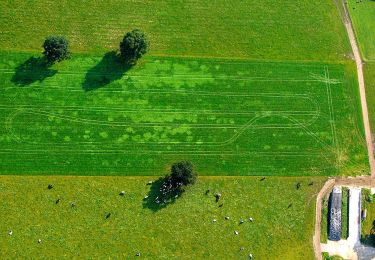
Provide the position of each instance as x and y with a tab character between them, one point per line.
334	216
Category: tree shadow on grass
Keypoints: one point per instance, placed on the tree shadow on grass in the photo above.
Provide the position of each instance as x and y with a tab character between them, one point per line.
32	70
156	199
110	68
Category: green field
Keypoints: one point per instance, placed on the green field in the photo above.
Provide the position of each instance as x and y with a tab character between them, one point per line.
239	88
362	14
368	225
242	29
282	227
345	213
91	116
369	73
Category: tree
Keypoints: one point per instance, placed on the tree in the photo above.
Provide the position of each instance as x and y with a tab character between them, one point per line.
182	173
133	46
56	48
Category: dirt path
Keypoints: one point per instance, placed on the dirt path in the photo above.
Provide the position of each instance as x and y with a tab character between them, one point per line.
358	60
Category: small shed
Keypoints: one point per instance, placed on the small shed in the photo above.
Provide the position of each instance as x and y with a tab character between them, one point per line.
334	214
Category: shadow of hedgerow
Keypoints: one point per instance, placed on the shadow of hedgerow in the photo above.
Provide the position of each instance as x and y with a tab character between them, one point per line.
32	70
110	68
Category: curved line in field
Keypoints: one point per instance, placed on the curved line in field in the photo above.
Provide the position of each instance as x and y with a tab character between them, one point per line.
247	126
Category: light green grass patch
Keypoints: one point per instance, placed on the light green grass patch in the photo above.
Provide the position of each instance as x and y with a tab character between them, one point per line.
281	29
282	227
367	225
369	73
362	14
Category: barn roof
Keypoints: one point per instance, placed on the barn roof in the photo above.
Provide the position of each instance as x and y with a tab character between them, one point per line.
334	215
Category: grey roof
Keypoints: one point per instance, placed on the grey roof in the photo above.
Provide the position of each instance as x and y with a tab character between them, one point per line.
334	214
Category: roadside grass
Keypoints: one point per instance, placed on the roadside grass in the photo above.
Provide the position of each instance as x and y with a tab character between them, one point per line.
324	223
362	14
368	224
229	117
326	256
278	30
369	73
345	214
282	227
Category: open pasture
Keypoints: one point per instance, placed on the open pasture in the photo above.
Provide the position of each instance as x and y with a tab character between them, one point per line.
362	14
282	227
91	115
277	29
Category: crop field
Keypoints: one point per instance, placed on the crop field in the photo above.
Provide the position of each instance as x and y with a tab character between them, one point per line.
93	116
281	224
243	29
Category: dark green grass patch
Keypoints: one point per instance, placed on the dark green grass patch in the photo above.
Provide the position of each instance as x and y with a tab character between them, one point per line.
324	224
362	14
368	224
95	116
282	29
345	213
282	227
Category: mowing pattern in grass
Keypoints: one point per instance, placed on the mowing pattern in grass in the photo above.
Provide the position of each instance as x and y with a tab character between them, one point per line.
229	118
281	29
282	227
362	14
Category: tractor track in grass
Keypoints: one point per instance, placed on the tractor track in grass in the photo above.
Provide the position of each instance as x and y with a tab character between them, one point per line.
362	181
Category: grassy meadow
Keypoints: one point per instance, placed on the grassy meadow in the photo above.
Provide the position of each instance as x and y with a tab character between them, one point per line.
362	14
368	225
283	218
281	30
239	88
369	73
93	116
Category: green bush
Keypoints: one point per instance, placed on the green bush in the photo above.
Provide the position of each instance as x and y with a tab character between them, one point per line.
133	46
182	173
56	48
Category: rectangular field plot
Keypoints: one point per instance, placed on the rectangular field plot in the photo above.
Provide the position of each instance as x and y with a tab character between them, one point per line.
221	28
91	115
183	229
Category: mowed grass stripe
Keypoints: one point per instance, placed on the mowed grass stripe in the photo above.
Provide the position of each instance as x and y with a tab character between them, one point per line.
282	226
283	30
140	120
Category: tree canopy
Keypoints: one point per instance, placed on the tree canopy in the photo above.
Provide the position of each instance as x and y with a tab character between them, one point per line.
183	173
56	48
133	46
